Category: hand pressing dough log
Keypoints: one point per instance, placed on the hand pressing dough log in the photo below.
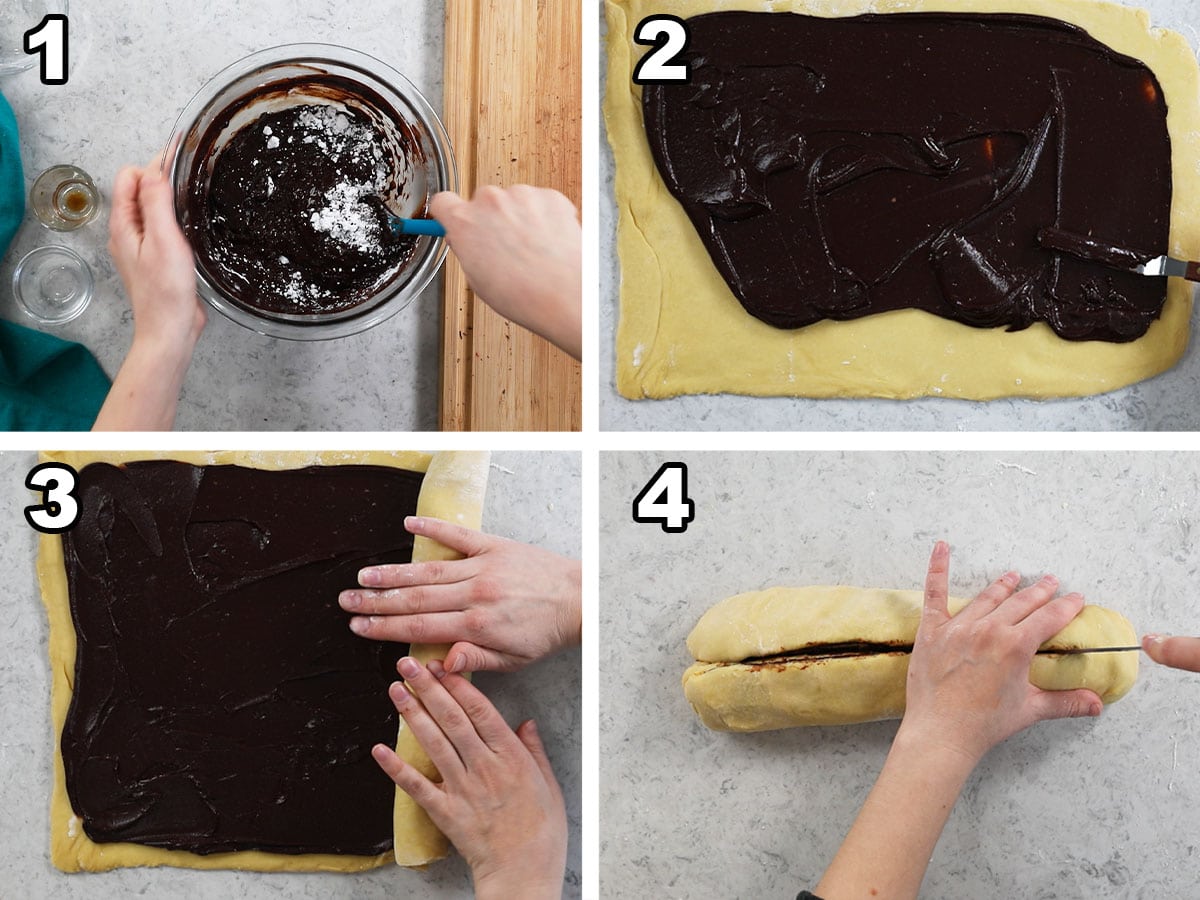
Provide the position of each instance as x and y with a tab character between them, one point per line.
839	655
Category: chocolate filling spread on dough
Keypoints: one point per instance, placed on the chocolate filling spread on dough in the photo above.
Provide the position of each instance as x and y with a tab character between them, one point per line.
220	700
289	215
836	168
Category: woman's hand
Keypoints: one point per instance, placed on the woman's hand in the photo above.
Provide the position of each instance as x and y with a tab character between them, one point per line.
1176	652
521	250
504	606
968	681
968	689
155	263
498	800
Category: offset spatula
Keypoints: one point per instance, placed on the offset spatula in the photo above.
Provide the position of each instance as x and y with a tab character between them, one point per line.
1092	250
1167	265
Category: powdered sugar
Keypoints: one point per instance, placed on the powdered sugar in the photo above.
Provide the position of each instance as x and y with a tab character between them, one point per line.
342	212
302	293
347	218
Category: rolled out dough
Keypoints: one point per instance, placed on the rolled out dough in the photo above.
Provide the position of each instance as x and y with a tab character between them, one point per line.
730	695
453	489
682	331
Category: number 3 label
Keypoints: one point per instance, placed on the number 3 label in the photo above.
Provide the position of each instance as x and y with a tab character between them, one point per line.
669	37
59	509
664	500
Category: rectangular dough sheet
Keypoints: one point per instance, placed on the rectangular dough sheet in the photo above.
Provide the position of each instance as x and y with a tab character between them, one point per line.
682	331
453	489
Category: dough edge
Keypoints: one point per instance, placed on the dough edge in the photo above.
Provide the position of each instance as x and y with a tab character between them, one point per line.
730	696
681	331
415	837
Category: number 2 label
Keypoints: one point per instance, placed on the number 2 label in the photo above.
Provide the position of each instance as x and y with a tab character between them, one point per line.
49	39
669	37
664	500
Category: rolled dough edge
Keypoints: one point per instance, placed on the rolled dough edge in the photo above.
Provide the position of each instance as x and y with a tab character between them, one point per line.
454	490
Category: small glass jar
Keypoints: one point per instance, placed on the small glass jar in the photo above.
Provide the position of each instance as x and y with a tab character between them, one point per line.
64	198
53	285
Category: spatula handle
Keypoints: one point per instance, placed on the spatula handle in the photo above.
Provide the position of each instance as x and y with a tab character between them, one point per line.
430	227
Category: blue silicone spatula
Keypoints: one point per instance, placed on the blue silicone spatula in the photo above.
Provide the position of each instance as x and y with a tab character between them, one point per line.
429	227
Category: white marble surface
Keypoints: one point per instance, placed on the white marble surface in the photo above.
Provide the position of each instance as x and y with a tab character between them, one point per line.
532	497
1068	809
135	65
1166	403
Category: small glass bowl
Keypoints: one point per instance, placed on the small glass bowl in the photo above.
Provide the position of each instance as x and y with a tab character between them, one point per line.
16	18
436	172
53	285
64	198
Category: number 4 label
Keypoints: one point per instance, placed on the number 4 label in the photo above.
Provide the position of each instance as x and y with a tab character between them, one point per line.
664	500
49	38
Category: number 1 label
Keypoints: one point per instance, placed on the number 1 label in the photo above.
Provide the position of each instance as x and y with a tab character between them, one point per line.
49	39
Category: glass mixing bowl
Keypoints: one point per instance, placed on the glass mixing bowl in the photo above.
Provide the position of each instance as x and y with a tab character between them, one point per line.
423	177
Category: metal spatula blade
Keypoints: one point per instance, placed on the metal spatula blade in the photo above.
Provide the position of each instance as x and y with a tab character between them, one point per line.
1084	246
1170	267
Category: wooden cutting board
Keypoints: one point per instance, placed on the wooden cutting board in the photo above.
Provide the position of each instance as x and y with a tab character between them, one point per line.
513	81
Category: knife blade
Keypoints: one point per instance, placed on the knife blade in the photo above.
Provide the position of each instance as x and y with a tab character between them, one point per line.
1075	650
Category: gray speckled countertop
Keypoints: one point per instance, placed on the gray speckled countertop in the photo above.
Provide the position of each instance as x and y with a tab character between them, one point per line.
1069	809
1166	403
135	65
531	497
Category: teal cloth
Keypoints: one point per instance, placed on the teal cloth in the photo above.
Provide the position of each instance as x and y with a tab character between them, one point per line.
46	383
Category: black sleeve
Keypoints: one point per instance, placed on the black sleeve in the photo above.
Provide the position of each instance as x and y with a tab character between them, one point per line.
805	895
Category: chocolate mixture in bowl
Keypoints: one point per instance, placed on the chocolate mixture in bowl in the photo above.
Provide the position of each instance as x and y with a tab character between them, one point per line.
287	214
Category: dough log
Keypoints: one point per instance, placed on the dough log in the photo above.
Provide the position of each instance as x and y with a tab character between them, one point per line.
839	655
454	488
